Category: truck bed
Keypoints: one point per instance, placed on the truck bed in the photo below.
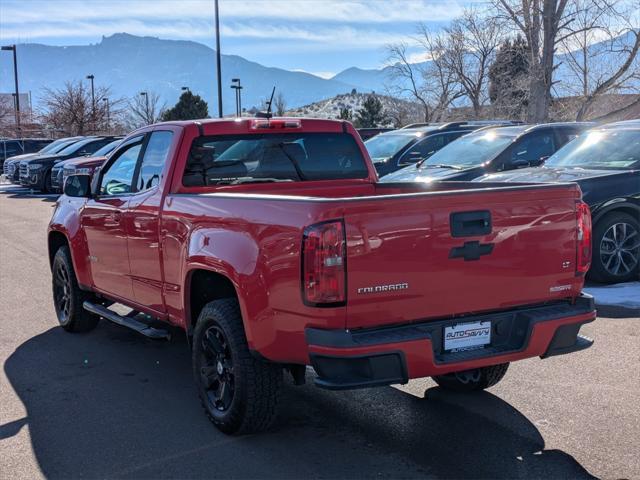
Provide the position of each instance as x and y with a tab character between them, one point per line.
403	262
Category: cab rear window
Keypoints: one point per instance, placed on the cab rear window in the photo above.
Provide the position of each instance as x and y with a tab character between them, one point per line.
229	160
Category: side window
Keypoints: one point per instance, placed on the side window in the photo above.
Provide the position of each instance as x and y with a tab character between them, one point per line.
533	147
118	178
423	149
92	147
153	161
565	136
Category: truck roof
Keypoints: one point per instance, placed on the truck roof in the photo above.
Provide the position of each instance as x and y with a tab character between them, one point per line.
212	121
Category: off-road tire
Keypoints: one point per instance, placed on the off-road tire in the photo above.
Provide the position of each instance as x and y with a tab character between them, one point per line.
472	380
598	271
256	383
68	302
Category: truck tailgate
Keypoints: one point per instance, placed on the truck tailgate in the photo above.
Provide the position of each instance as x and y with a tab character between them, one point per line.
412	258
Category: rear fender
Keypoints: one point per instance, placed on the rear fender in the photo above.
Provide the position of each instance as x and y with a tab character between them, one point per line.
616	204
234	255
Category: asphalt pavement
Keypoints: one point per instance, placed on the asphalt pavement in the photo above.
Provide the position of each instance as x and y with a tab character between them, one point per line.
111	403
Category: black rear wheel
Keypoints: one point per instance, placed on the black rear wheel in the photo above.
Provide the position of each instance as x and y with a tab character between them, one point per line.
238	392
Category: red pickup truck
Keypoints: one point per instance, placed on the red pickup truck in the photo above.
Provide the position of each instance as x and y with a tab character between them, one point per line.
270	242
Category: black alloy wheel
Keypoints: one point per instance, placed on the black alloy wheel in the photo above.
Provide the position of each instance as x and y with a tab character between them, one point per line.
216	369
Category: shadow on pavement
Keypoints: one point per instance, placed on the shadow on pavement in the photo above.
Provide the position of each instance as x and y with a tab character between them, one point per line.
15	191
113	404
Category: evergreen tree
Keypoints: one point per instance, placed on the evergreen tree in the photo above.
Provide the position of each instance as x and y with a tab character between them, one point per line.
189	107
371	114
508	78
345	114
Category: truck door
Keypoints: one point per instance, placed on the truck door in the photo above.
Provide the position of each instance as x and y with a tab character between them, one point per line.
102	221
142	219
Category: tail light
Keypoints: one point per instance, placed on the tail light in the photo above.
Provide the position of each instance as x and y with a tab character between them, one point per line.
324	264
583	225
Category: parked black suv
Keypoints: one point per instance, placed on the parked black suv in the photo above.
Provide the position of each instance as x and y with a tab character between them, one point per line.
11	148
390	151
11	164
605	162
491	150
36	173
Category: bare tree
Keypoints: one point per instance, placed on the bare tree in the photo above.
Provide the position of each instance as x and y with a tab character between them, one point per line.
470	47
145	109
544	25
69	109
440	80
401	112
432	84
406	77
280	103
602	54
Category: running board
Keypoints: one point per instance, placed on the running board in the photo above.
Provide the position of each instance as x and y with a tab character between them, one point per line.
129	322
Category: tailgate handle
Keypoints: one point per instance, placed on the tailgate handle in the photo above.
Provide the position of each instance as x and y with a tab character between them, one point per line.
469	224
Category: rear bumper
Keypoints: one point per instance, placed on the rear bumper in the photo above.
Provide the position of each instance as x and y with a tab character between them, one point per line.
364	358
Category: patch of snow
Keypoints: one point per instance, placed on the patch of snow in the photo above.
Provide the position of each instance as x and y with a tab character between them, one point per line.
621	294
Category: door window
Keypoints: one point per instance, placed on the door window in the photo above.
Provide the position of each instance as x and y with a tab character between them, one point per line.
154	159
118	178
423	149
533	147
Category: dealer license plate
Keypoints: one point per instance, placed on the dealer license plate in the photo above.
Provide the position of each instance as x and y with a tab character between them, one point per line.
467	336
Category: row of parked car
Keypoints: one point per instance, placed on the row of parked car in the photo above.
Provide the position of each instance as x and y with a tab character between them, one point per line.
46	169
603	160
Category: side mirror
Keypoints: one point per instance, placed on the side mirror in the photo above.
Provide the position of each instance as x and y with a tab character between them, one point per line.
78	186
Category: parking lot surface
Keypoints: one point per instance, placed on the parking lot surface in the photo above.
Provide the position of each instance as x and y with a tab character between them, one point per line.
111	403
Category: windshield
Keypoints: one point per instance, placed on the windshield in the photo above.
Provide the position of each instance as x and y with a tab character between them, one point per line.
382	147
51	147
107	149
470	150
600	149
234	159
71	149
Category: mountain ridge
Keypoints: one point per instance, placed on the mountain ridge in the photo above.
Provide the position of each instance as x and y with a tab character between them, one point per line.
192	64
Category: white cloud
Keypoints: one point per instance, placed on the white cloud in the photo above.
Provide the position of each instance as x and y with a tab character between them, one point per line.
333	11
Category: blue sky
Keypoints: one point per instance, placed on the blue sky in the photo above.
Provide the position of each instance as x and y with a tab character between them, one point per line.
317	36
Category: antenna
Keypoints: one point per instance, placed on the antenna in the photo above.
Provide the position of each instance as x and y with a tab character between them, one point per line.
271	102
268	113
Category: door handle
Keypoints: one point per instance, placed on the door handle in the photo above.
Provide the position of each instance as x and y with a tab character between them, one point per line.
116	216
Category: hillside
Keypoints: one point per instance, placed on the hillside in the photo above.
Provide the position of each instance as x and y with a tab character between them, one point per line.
330	107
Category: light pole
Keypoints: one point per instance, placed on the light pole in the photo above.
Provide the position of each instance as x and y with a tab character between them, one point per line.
218	61
106	102
93	103
146	108
15	76
238	89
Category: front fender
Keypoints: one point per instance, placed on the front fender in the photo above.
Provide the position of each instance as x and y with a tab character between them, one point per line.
66	220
